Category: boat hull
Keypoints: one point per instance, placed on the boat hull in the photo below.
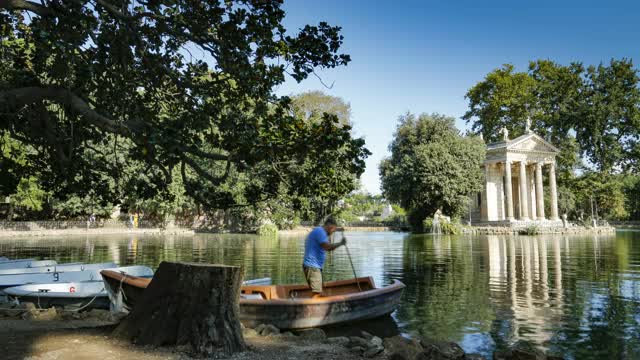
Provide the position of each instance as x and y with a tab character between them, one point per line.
65	277
131	288
86	295
58	268
308	313
298	312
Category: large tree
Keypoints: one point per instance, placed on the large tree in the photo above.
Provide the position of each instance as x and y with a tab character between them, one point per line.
312	105
88	86
431	167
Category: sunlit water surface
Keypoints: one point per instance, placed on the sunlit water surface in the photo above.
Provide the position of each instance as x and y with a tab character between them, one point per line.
578	296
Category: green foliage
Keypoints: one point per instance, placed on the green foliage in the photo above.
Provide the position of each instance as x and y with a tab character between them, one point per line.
396	221
450	228
431	167
427	224
362	204
312	105
631	189
447	227
29	195
111	101
267	230
75	207
530	230
604	192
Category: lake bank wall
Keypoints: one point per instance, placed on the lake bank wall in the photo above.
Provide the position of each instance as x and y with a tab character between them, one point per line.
52	228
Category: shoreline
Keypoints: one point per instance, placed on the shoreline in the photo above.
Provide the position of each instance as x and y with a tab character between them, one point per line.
100	231
41	231
90	335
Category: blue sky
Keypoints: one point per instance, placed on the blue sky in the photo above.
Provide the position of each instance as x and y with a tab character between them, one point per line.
422	56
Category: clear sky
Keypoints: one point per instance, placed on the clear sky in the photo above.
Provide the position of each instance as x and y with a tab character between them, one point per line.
422	56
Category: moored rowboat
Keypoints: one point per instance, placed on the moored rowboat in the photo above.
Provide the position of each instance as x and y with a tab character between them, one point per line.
90	294
133	286
291	306
69	276
58	268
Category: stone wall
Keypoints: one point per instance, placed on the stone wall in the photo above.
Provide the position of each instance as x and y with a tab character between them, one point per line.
498	230
45	228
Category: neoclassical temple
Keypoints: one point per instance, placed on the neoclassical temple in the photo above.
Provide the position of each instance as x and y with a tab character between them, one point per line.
513	194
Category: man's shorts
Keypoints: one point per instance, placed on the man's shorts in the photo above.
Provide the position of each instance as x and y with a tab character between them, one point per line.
314	278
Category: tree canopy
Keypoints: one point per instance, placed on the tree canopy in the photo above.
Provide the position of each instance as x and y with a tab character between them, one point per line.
312	105
116	97
431	167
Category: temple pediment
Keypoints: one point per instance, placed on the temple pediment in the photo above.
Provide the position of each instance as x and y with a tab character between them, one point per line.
531	143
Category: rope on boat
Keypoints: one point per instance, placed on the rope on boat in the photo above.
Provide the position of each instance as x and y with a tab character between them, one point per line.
39	308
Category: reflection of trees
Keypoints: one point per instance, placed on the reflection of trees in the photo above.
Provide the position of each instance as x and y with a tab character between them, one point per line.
603	320
446	287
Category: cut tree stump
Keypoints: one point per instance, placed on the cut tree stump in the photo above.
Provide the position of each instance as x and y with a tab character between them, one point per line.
189	304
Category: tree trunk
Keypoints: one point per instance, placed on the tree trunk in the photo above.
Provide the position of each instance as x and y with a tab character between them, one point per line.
189	304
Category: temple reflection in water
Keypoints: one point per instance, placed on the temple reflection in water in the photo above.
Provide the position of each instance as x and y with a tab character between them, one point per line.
527	271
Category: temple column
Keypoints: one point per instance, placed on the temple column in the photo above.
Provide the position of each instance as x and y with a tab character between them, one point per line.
484	216
524	206
539	193
508	190
531	186
554	191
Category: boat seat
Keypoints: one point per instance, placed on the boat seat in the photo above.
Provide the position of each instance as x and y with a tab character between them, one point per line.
254	296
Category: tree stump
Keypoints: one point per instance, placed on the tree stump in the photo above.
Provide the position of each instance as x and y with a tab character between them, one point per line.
189	304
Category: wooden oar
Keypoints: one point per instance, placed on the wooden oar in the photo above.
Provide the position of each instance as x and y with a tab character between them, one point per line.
351	261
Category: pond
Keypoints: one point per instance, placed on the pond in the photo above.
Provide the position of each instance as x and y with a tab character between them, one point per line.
578	296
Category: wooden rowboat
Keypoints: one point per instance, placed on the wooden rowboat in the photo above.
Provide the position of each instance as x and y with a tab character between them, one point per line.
291	306
133	286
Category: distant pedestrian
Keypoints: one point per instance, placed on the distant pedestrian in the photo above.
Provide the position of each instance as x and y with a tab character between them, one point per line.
130	223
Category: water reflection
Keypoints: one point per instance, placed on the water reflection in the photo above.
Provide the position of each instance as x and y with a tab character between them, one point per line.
576	295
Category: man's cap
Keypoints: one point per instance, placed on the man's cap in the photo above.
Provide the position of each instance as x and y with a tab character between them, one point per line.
330	221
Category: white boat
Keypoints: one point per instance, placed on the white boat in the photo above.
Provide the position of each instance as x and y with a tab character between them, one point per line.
87	294
26	263
261	281
69	276
58	268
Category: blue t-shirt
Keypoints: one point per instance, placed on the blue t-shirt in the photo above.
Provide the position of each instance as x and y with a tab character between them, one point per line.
314	253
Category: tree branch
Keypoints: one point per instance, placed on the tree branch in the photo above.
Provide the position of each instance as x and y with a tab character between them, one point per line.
26	5
205	174
20	97
203	154
113	10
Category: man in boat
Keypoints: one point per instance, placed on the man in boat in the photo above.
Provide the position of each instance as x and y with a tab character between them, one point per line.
315	248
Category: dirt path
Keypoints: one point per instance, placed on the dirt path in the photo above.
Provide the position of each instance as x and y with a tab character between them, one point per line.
53	340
